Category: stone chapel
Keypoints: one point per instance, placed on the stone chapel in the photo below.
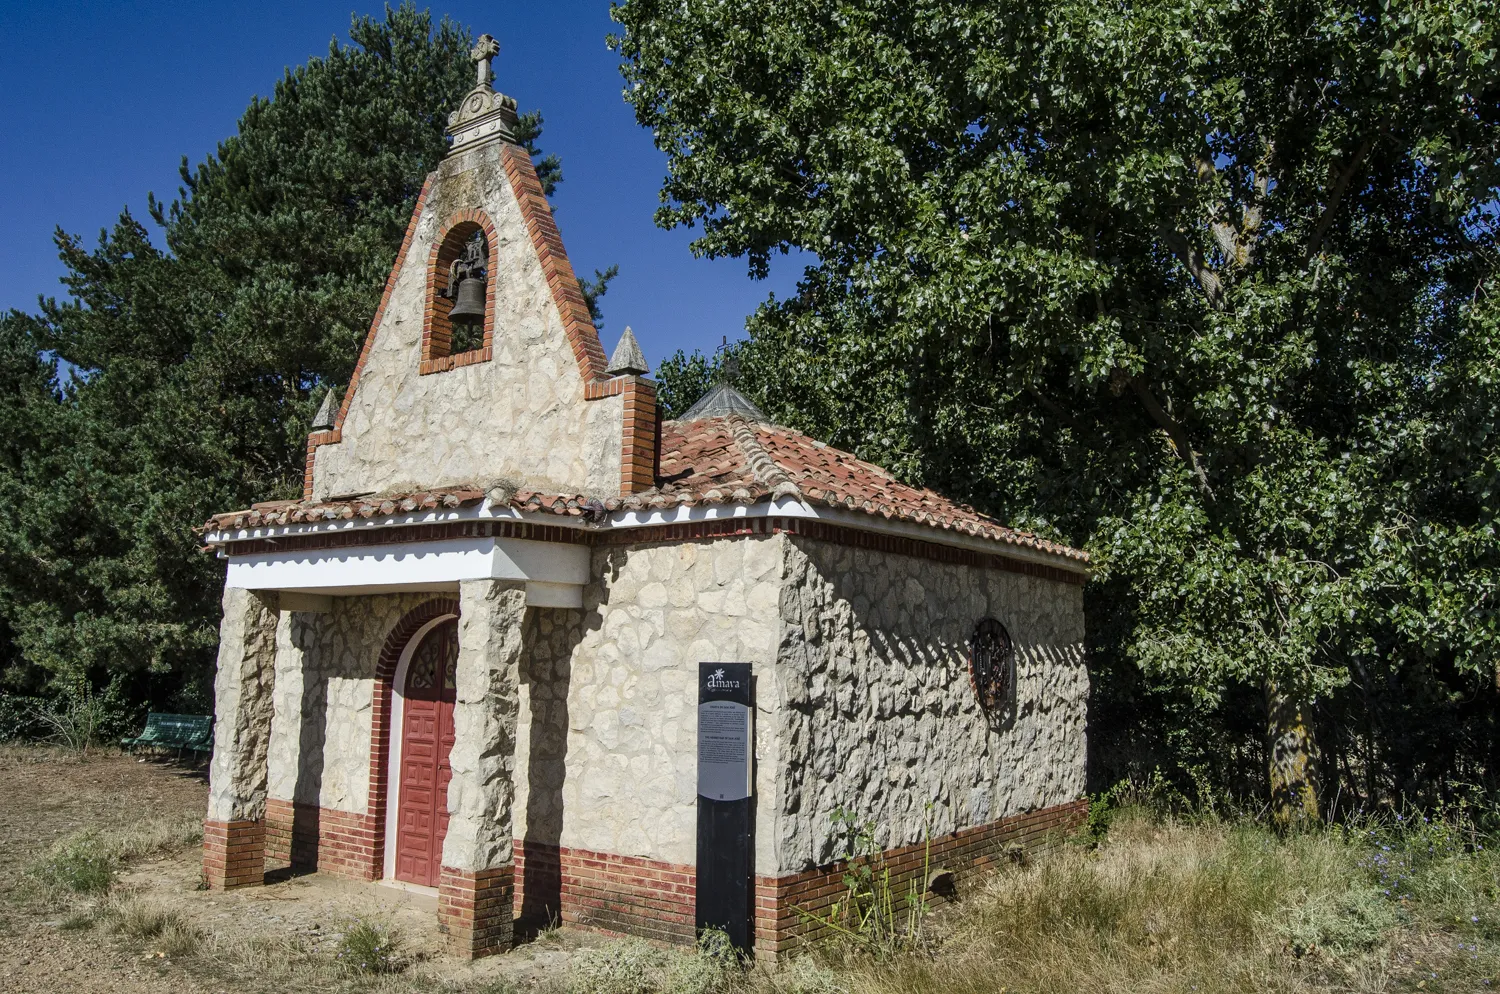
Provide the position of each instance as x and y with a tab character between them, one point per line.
466	661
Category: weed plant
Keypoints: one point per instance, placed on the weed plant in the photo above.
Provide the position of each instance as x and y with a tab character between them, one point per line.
875	914
369	947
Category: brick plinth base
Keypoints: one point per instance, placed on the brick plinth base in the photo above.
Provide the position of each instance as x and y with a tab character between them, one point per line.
234	854
607	892
620	894
475	910
967	854
323	839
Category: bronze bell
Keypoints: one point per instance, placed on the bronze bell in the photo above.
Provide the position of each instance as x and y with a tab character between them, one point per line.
468	308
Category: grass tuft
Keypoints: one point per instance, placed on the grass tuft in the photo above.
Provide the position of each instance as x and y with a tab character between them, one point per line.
627	966
153	837
368	947
80	863
160	930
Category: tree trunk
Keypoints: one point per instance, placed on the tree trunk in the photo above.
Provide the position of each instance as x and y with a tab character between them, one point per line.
1294	756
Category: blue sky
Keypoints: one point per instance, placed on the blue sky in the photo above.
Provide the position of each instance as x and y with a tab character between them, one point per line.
99	102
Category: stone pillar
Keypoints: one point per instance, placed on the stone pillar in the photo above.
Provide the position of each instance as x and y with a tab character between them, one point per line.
234	832
477	885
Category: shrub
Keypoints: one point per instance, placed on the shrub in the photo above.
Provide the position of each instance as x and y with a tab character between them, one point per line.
20	718
875	914
713	967
80	718
1346	923
370	948
630	966
79	863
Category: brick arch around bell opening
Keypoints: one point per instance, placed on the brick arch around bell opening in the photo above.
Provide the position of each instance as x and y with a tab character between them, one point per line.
437	330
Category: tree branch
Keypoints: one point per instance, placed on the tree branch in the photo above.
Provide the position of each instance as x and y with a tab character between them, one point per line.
1052	407
1340	185
1190	257
1174	431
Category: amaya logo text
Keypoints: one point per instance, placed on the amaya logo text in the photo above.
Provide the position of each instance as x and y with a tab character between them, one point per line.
716	681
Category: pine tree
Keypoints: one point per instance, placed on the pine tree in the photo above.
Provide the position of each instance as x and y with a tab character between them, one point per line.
194	370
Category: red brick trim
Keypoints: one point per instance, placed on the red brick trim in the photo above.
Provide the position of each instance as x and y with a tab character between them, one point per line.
437	331
475	910
310	837
234	854
968	853
329	437
573	309
626	895
638	449
599	389
380	718
632	895
314	440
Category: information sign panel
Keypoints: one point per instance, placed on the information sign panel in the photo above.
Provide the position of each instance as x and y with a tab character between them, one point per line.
726	804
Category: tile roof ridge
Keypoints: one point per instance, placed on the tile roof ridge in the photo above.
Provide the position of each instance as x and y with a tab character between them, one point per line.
766	470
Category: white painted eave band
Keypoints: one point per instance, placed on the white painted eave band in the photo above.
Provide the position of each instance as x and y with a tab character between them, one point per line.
786	507
554	572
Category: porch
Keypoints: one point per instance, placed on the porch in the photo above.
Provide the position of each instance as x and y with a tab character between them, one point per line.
368	702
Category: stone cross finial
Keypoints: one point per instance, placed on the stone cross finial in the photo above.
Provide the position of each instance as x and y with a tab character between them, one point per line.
483	51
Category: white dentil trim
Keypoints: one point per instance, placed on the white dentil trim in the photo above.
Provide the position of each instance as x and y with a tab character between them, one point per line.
786	507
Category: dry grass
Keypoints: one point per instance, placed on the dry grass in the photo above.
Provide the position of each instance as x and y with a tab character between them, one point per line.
1197	906
153	837
1159	907
1165	905
86	862
157	930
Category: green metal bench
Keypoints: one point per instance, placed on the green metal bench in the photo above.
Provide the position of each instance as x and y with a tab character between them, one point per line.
193	732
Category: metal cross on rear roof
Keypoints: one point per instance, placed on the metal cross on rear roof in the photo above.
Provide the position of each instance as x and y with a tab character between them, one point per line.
485	49
729	364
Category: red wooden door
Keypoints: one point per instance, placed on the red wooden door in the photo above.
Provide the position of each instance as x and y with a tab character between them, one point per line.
426	740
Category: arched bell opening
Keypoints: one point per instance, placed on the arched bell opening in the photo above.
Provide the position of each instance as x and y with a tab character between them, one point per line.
460	317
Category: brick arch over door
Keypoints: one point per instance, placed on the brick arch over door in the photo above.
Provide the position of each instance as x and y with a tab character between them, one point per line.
380	719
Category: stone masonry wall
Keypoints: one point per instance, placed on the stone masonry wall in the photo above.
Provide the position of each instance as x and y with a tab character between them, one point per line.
606	755
325	679
520	416
880	718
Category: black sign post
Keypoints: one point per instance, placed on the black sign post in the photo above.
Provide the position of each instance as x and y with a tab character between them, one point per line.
726	805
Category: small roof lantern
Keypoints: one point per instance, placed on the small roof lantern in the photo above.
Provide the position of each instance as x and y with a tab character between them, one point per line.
722	401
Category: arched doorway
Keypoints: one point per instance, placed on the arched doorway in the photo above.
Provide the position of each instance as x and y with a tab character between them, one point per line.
426	728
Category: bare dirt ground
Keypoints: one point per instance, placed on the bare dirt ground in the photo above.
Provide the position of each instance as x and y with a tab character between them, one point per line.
281	937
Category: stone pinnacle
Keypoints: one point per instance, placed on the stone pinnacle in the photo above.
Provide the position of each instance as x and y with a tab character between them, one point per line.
628	358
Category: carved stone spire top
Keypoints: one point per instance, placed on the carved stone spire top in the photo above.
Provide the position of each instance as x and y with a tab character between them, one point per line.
484	115
485	49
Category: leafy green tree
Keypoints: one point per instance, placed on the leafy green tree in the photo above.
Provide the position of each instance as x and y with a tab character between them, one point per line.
197	358
1204	286
684	378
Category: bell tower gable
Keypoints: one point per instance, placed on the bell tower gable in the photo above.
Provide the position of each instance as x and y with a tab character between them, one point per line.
482	363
